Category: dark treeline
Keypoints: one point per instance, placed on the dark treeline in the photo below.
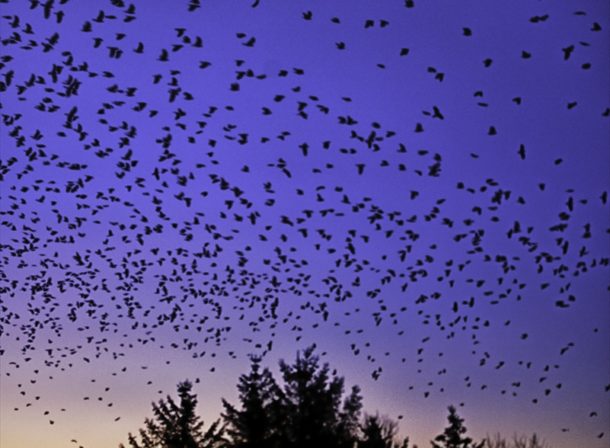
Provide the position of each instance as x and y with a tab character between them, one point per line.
308	408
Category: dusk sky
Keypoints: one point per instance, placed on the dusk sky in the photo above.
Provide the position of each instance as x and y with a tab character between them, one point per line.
420	188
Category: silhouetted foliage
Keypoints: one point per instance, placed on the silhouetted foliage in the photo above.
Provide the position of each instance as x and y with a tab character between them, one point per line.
454	434
518	441
380	432
177	425
256	423
312	407
308	409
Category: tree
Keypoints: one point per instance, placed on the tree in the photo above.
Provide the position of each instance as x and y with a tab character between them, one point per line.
255	424
380	432
311	407
454	435
518	441
177	425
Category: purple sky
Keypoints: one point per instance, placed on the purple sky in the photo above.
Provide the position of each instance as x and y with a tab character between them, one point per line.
359	187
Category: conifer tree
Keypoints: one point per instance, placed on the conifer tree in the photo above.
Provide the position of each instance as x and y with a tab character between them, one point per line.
380	432
454	435
176	425
313	414
255	424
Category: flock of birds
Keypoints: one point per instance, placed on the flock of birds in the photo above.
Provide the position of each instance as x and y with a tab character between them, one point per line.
145	202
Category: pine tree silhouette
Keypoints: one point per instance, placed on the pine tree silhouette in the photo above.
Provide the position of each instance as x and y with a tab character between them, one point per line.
177	425
312	412
454	435
255	424
380	432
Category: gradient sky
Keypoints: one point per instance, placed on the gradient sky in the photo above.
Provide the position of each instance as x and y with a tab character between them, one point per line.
115	288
